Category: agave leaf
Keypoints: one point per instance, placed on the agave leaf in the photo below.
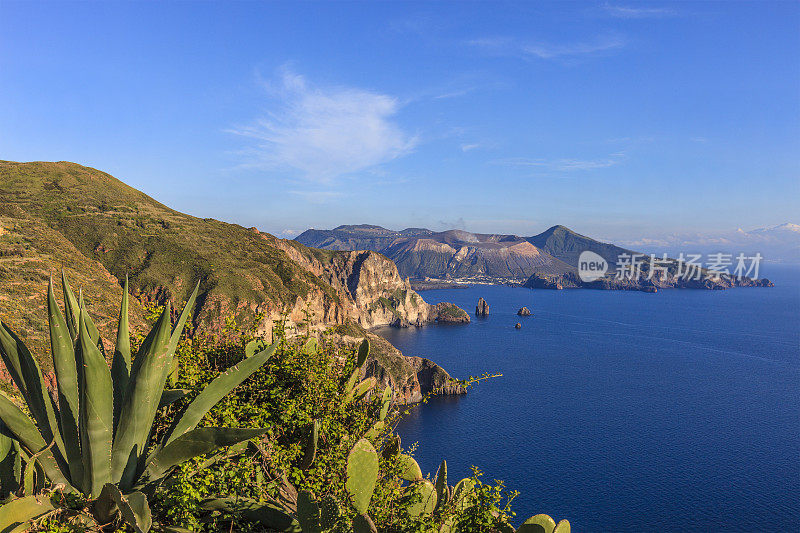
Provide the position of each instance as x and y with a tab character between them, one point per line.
142	397
38	400
216	390
10	467
170	396
96	420
18	512
121	362
541	523
191	444
263	513
63	352
6	442
71	306
28	435
133	506
94	334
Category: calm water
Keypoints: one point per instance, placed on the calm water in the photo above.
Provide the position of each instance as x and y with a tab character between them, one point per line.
625	411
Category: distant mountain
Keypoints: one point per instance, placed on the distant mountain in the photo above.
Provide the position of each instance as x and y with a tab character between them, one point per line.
546	260
566	245
455	254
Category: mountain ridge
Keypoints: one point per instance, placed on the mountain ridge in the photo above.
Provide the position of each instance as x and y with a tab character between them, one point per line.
547	260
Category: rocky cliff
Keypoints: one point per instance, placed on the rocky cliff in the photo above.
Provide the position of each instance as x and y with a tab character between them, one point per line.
410	377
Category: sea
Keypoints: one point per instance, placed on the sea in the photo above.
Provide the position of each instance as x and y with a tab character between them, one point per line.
623	411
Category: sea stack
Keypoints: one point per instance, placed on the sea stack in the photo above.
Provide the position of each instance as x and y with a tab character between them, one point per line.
482	309
524	312
518	326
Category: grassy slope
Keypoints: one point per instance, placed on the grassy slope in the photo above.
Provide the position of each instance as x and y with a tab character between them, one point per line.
78	217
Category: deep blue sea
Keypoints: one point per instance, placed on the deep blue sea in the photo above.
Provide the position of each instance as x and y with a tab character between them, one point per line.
624	411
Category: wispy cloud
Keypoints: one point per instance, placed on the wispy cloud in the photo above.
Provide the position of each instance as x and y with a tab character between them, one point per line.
550	50
566	165
471	146
321	133
628	12
553	51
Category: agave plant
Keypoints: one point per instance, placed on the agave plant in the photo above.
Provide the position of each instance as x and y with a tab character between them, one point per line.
90	437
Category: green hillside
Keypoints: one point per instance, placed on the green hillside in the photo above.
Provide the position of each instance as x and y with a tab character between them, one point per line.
100	229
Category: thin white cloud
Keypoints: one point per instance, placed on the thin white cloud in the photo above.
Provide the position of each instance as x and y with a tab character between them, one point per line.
321	133
627	12
553	51
549	51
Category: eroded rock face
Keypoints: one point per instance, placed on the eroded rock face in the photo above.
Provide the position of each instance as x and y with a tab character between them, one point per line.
410	377
370	291
482	309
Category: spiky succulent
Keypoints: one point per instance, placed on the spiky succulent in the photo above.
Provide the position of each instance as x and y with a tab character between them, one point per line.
91	436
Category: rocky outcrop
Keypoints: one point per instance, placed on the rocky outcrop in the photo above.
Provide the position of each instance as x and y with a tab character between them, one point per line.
517	326
482	308
524	312
411	378
447	313
370	290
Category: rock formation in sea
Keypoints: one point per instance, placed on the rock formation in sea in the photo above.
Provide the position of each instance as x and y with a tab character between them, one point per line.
517	326
482	309
524	312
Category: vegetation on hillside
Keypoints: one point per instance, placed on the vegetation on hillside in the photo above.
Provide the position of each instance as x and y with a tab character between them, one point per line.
56	214
247	437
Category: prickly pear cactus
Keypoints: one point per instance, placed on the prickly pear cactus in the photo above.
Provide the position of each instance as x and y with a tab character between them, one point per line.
362	474
562	527
410	469
542	523
422	498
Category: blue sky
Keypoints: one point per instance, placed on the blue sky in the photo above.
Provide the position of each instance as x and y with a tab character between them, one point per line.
618	119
